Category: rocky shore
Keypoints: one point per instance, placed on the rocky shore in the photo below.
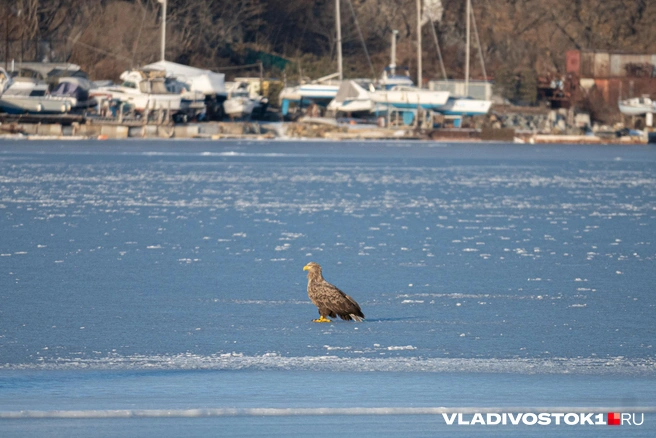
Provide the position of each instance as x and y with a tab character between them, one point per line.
502	124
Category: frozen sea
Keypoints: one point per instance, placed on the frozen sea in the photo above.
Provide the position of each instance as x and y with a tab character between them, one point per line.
152	288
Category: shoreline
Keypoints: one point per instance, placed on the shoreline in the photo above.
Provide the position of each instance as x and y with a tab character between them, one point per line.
302	130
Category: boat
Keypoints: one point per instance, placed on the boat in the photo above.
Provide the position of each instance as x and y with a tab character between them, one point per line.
207	82
637	106
353	97
76	90
192	103
392	92
239	103
257	87
142	91
411	98
390	79
464	106
21	95
320	92
149	90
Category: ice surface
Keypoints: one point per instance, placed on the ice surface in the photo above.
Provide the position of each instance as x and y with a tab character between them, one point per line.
467	259
274	361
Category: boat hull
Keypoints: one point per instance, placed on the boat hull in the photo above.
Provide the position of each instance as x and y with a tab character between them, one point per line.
141	102
238	106
411	99
34	105
637	106
465	107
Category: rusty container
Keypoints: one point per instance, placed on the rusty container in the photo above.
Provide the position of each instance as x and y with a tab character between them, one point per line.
601	64
587	64
573	62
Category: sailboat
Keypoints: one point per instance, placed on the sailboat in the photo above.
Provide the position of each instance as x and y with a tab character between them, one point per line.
323	90
393	93
459	106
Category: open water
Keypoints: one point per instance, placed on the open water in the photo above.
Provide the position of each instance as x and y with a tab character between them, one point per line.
155	288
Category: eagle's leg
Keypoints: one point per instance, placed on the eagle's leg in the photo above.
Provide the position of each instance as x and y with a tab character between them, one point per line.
321	319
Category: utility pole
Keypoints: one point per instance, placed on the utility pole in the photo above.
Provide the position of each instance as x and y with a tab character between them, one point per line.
338	25
419	79
467	48
6	35
163	2
392	65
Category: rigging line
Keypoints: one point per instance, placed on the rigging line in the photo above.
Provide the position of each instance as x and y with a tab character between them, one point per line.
98	50
437	45
478	43
364	46
136	43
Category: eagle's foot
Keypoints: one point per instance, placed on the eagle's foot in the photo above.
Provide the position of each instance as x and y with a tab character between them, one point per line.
322	319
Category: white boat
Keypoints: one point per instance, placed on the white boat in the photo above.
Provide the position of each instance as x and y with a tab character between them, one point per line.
76	90
142	91
320	92
465	106
238	104
192	102
411	98
207	82
22	95
637	106
389	79
254	86
5	80
352	97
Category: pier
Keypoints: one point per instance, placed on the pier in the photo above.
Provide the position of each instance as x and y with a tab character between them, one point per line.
80	127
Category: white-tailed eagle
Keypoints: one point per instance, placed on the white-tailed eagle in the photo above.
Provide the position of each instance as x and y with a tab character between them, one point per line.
330	301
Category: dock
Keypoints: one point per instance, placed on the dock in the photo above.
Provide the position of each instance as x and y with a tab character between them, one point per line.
81	127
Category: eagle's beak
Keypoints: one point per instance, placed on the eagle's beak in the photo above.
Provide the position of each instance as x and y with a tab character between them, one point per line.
306	268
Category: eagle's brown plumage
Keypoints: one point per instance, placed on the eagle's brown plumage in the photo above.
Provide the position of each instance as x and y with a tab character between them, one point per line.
330	300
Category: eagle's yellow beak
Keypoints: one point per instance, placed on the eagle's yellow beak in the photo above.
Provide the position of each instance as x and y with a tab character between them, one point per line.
306	268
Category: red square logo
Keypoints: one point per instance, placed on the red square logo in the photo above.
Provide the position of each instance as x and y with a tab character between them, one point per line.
614	419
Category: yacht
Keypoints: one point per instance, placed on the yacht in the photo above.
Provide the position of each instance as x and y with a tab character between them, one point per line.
22	95
637	106
320	92
239	103
207	82
143	90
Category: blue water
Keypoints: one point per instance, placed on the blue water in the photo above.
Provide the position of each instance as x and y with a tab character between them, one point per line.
157	276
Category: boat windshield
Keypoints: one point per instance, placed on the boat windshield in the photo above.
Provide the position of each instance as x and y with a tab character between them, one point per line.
153	87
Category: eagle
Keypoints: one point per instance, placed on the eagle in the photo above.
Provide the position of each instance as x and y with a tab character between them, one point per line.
330	300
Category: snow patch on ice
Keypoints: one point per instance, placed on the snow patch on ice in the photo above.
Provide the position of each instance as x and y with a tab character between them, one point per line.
274	361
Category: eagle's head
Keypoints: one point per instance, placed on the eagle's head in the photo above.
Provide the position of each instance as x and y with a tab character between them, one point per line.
314	270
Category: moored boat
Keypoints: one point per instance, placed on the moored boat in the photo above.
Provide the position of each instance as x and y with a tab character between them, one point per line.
142	91
21	95
465	106
637	106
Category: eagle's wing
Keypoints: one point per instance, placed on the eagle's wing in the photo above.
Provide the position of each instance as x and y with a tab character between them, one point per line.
336	302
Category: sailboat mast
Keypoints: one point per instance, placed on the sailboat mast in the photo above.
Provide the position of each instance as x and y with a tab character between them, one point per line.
393	54
419	79
467	48
339	40
163	42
